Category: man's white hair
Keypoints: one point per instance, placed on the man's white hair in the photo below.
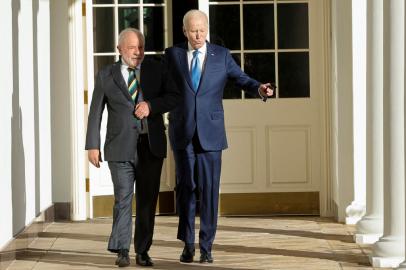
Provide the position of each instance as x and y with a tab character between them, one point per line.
194	13
124	33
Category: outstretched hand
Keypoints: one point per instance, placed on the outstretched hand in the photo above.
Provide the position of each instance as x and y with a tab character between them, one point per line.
267	89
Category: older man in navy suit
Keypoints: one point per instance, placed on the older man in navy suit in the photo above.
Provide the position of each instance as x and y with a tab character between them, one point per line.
197	131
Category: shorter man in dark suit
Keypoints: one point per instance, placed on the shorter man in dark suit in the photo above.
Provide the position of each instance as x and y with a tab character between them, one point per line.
136	96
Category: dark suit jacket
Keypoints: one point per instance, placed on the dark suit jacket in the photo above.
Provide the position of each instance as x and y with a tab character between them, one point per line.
111	90
202	112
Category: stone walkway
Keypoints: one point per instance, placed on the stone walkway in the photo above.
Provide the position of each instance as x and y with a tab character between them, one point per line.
246	243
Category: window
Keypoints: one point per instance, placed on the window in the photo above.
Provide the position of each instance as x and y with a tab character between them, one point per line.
268	39
112	16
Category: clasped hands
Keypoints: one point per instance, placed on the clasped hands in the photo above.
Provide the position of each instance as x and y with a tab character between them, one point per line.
141	110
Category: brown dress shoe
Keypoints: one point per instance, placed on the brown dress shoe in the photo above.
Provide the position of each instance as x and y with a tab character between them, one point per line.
123	259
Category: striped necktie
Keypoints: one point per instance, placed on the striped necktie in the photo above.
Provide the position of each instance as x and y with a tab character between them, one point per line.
196	70
133	84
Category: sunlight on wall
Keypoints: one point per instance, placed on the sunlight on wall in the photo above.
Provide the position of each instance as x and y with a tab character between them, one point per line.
25	186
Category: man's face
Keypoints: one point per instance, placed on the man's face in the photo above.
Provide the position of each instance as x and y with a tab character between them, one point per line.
131	50
195	31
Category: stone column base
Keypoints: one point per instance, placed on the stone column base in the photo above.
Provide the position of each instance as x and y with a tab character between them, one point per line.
402	265
384	262
361	238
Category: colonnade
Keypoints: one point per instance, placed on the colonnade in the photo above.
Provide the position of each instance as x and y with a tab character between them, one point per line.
384	222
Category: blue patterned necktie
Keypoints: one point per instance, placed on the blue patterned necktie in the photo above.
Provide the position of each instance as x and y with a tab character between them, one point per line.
196	70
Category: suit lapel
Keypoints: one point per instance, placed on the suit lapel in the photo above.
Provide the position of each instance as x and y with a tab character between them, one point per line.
119	80
184	65
210	57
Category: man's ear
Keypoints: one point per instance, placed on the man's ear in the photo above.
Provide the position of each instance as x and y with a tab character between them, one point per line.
184	31
118	48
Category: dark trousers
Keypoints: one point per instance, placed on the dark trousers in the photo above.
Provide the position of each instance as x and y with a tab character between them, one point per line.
197	170
146	174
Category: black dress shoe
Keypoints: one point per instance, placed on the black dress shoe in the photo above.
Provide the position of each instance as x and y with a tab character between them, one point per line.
187	254
123	259
144	259
206	258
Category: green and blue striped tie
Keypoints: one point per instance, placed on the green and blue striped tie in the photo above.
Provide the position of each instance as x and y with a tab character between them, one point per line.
133	84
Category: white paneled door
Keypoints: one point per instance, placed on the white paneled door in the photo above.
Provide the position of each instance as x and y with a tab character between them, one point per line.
278	145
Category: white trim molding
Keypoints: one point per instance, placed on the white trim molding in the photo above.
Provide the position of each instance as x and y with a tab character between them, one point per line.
76	69
326	186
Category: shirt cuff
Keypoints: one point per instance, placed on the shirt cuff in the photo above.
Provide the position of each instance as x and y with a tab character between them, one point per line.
260	93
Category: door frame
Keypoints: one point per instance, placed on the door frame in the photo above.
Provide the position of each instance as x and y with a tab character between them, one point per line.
326	202
76	36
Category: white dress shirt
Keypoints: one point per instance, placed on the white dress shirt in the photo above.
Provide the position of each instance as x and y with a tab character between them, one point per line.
126	74
201	55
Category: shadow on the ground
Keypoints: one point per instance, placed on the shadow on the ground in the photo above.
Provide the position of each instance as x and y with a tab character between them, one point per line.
239	252
103	261
291	233
299	233
360	259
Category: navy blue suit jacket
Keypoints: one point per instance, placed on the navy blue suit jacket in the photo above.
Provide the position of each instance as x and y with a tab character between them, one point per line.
202	111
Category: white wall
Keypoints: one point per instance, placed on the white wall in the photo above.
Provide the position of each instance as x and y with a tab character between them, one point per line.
34	111
25	186
6	105
25	77
60	100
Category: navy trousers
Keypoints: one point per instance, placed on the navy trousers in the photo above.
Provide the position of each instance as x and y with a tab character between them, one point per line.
197	171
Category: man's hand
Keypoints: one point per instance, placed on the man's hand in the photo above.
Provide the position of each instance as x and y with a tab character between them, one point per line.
94	156
266	90
141	110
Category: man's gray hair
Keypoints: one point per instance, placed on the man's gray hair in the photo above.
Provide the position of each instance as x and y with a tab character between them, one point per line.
192	13
124	32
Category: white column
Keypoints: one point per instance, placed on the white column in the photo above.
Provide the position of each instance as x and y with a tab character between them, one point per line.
389	250
370	227
44	103
356	210
403	264
79	210
342	109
